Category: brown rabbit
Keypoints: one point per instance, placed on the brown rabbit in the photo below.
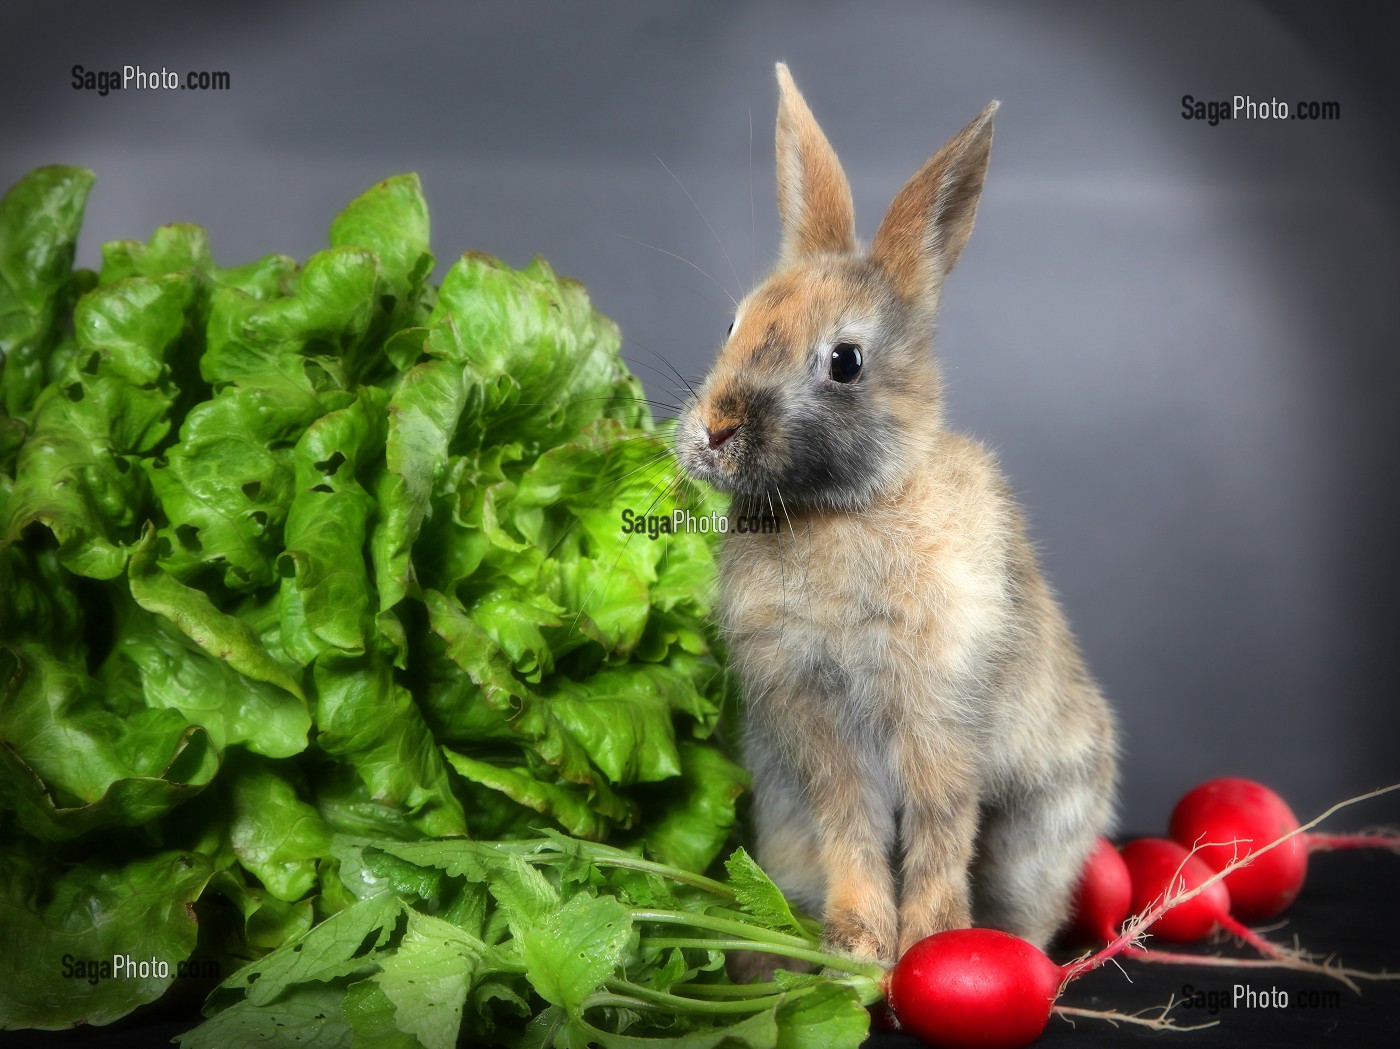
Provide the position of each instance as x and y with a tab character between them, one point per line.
919	717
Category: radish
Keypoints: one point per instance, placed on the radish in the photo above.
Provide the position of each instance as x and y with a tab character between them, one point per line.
1161	869
1102	898
974	987
1157	867
1225	816
987	989
1233	814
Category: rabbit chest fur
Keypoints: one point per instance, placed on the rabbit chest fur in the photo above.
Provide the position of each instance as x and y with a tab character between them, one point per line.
926	744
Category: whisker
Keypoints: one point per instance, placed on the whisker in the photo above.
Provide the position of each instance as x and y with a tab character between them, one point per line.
617	440
605	397
630	536
659	437
782	567
682	258
654	460
729	262
753	225
644	364
607	484
805	561
674	370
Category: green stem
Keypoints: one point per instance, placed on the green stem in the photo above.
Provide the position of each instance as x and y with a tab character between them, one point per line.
870	970
622	1041
609	998
676	1002
632	863
807	925
726	925
727	990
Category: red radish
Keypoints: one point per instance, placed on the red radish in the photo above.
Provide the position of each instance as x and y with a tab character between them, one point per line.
986	989
1227	816
1103	897
971	988
1157	866
1161	869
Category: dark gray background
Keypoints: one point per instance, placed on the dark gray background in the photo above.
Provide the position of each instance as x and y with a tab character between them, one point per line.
1180	338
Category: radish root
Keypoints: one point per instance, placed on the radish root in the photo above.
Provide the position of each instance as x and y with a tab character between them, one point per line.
1380	838
1287	958
1331	965
1159	1022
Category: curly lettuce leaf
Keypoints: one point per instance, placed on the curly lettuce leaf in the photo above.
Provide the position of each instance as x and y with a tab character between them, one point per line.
75	472
369	719
37	598
225	486
276	836
60	932
423	412
325	581
268	922
390	219
567	804
39	220
184	248
541	362
72	764
170	670
505	708
130	330
72	482
687	822
175	248
223	636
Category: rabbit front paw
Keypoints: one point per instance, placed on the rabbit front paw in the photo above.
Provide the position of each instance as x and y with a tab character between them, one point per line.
869	937
944	911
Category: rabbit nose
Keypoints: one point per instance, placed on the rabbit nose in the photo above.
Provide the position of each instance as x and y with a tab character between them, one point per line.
718	437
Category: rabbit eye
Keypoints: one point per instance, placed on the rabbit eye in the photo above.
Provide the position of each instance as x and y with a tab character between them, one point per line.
730	330
845	362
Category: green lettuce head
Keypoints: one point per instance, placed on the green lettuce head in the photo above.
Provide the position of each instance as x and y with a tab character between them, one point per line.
294	554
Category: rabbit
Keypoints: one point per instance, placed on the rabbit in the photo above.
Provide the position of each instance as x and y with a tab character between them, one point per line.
918	718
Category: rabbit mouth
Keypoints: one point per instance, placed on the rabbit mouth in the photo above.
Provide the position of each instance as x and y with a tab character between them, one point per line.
739	466
722	454
715	456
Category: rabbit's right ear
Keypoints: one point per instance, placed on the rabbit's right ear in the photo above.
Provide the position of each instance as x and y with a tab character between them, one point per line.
929	222
814	198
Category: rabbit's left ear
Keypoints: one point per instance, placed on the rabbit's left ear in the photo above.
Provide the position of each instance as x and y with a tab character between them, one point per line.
814	198
929	222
